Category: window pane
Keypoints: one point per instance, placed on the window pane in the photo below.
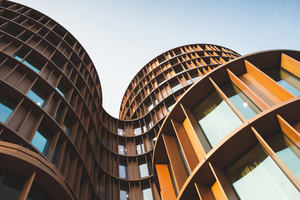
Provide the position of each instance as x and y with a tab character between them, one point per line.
60	92
247	108
143	170
40	142
123	195
36	98
121	149
67	125
122	171
5	110
256	176
27	64
140	148
147	194
214	110
285	79
287	151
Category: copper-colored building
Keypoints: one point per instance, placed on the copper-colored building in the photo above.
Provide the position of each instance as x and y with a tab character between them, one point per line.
56	140
235	134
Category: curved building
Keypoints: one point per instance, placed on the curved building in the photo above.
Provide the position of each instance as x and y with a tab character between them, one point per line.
56	140
235	134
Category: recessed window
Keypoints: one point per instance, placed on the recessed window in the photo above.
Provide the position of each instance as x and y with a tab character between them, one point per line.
6	109
147	194
120	131
122	171
286	79
36	98
256	176
121	149
214	110
36	95
287	151
61	89
246	107
143	170
137	131
140	148
124	195
67	126
176	86
27	63
41	142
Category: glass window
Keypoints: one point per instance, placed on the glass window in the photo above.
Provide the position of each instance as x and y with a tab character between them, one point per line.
124	195
28	64
285	79
36	98
196	78
41	142
121	149
147	194
287	151
122	171
61	89
67	126
60	92
140	148
150	107
11	184
6	109
137	131
214	110
143	170
256	176
120	131
176	87
58	113
246	107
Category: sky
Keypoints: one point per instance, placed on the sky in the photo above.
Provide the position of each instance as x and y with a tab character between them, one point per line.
121	36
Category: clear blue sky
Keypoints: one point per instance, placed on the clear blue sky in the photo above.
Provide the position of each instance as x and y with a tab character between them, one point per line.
121	36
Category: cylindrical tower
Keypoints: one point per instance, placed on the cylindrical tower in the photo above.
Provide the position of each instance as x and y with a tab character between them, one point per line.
235	134
50	108
53	129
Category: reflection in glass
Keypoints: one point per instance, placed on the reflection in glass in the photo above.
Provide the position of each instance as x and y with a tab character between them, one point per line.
27	64
246	107
122	171
36	98
67	126
121	149
285	79
256	176
124	195
40	142
215	118
143	170
287	151
140	148
6	109
147	194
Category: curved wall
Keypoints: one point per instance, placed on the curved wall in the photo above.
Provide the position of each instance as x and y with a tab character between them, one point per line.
53	128
235	134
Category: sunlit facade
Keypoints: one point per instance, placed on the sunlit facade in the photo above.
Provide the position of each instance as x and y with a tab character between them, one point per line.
56	140
235	133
